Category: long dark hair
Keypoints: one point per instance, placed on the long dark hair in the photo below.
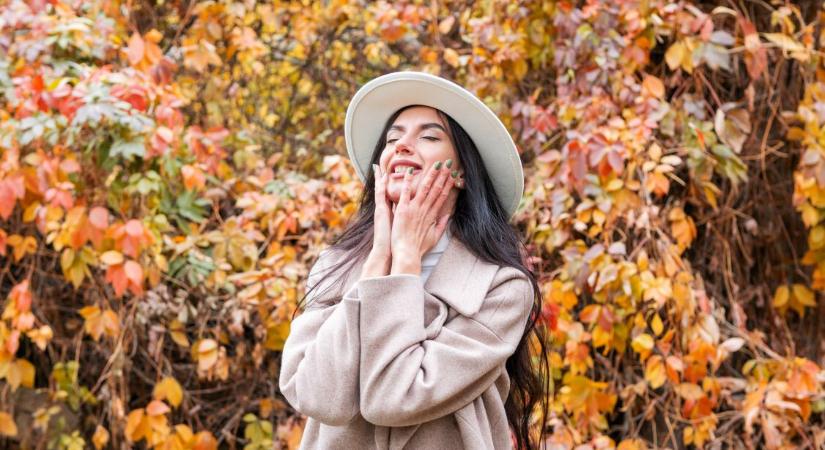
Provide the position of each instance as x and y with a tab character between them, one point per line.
481	224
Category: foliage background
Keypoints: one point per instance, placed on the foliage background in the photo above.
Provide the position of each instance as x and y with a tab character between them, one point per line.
170	169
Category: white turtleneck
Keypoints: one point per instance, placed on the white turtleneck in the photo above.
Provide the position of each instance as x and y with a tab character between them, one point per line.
430	259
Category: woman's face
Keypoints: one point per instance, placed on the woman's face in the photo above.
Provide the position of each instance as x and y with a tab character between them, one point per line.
418	138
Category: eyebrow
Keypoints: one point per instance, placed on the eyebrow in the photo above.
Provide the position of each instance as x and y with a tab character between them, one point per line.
423	127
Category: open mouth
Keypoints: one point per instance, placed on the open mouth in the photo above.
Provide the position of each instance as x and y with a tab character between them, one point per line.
398	169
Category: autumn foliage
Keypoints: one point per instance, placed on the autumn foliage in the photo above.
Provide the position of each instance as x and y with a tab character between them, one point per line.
170	170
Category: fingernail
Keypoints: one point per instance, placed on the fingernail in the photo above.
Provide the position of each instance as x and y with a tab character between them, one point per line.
410	170
449	163
374	170
437	165
454	173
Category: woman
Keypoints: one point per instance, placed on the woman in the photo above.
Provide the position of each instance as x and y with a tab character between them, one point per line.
417	320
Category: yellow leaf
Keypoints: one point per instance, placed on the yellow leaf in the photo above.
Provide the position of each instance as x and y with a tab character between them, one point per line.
98	322
182	439
276	335
780	298
42	416
111	258
804	295
656	325
41	336
7	425
785	42
100	438
643	344
180	338
451	57
207	354
21	372
675	54
655	371
689	391
168	389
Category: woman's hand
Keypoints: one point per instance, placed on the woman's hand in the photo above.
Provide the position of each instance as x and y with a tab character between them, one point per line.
416	225
379	259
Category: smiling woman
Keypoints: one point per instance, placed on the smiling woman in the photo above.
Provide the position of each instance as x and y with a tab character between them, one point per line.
417	319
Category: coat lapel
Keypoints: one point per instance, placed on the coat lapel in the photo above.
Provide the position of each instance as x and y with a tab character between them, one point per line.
461	279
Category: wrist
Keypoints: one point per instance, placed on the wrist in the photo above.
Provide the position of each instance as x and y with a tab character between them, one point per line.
405	265
376	265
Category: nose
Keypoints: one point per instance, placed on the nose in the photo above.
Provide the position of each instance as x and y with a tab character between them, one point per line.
402	145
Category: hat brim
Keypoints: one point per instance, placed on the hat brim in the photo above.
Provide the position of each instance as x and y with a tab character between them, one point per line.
377	100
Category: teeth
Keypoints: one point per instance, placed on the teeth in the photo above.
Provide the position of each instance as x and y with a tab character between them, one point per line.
399	169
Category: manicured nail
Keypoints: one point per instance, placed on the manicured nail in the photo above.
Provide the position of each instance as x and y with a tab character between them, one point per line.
437	165
454	173
410	171
449	163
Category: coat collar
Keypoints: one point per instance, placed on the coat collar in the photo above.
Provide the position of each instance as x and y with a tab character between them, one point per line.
460	278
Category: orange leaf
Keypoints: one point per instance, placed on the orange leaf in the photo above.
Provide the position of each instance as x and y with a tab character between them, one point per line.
653	86
7	425
193	178
136	427
117	276
205	441
136	49
100	438
157	408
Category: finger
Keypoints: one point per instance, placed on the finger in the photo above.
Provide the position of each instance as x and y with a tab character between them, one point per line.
380	188
436	188
426	183
406	188
443	194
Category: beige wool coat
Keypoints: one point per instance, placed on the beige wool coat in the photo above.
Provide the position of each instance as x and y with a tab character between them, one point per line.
396	364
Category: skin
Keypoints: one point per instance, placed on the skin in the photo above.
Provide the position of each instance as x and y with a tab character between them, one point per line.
412	210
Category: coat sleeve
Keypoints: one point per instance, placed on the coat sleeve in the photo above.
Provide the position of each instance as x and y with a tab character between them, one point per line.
319	362
408	379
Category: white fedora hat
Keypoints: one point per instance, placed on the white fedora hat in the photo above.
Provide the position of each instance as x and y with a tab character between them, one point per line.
377	100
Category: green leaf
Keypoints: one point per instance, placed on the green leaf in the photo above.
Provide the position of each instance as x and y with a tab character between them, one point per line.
128	149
